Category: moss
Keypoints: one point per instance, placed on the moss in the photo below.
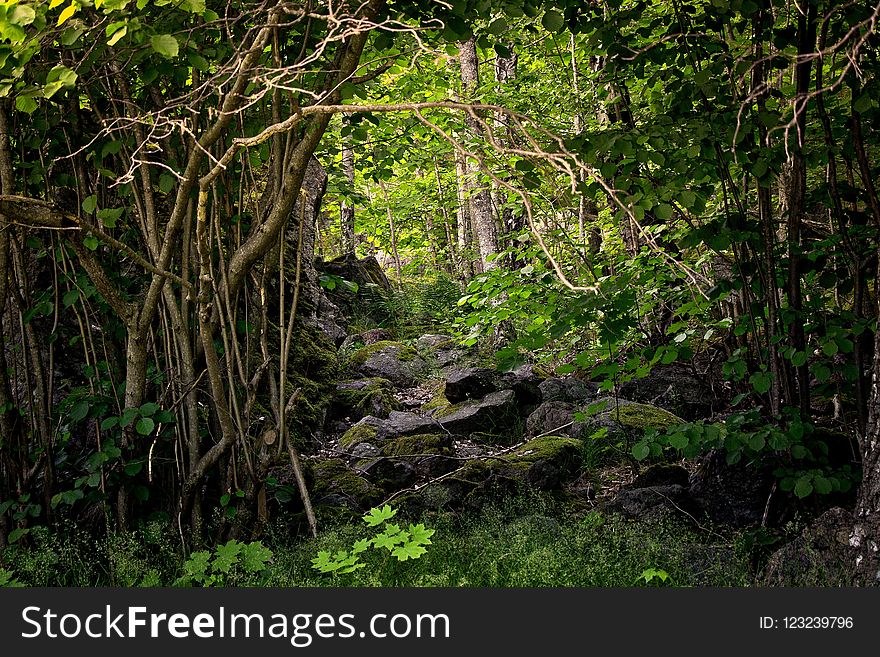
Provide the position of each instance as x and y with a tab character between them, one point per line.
545	447
643	416
333	476
359	433
377	393
427	443
362	355
438	402
313	368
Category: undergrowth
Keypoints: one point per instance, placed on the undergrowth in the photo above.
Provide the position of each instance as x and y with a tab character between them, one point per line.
526	542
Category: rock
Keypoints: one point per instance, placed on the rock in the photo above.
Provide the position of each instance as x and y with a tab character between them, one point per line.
469	383
820	556
643	503
364	272
391	475
525	383
623	419
394	361
336	484
543	463
551	417
567	389
433	341
733	494
662	474
365	451
492	419
673	387
364	431
430	454
361	397
405	424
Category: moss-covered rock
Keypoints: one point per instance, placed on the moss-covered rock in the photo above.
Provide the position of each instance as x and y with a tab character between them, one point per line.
438	402
426	443
362	432
395	361
362	355
338	485
623	419
361	397
313	367
494	419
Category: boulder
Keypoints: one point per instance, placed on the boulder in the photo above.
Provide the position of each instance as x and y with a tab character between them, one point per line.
364	272
364	431
543	463
391	475
335	484
551	417
673	387
361	397
525	382
469	383
430	454
393	361
734	494
567	389
433	341
624	420
405	424
650	502
662	474
820	556
495	418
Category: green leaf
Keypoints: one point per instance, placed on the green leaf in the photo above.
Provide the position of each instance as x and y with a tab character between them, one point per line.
553	21
799	358
678	440
66	13
70	297
128	416
26	104
822	485
803	487
663	212
79	411
408	551
830	348
377	516
166	183
109	216
227	556
640	451
145	426
90	204
165	45
91	242
149	409
761	381
254	556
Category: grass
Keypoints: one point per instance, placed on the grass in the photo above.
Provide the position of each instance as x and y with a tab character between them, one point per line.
527	542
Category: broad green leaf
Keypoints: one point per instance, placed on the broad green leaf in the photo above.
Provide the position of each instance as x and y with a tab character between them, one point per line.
803	487
640	451
165	45
145	426
663	212
90	204
553	21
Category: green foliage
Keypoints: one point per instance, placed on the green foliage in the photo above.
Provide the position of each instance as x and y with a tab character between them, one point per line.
230	564
403	543
7	580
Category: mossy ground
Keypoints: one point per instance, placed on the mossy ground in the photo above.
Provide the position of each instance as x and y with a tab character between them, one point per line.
359	433
428	443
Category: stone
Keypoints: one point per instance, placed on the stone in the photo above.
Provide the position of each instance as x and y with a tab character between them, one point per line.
551	417
334	483
820	556
391	475
734	494
525	382
662	474
361	397
401	423
430	454
393	361
623	419
567	389
433	341
494	418
674	387
469	383
365	430
650	502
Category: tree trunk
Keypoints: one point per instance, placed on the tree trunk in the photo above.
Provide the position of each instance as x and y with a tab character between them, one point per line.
482	215
346	210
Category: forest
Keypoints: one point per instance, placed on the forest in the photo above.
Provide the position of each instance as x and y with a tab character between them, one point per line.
439	293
